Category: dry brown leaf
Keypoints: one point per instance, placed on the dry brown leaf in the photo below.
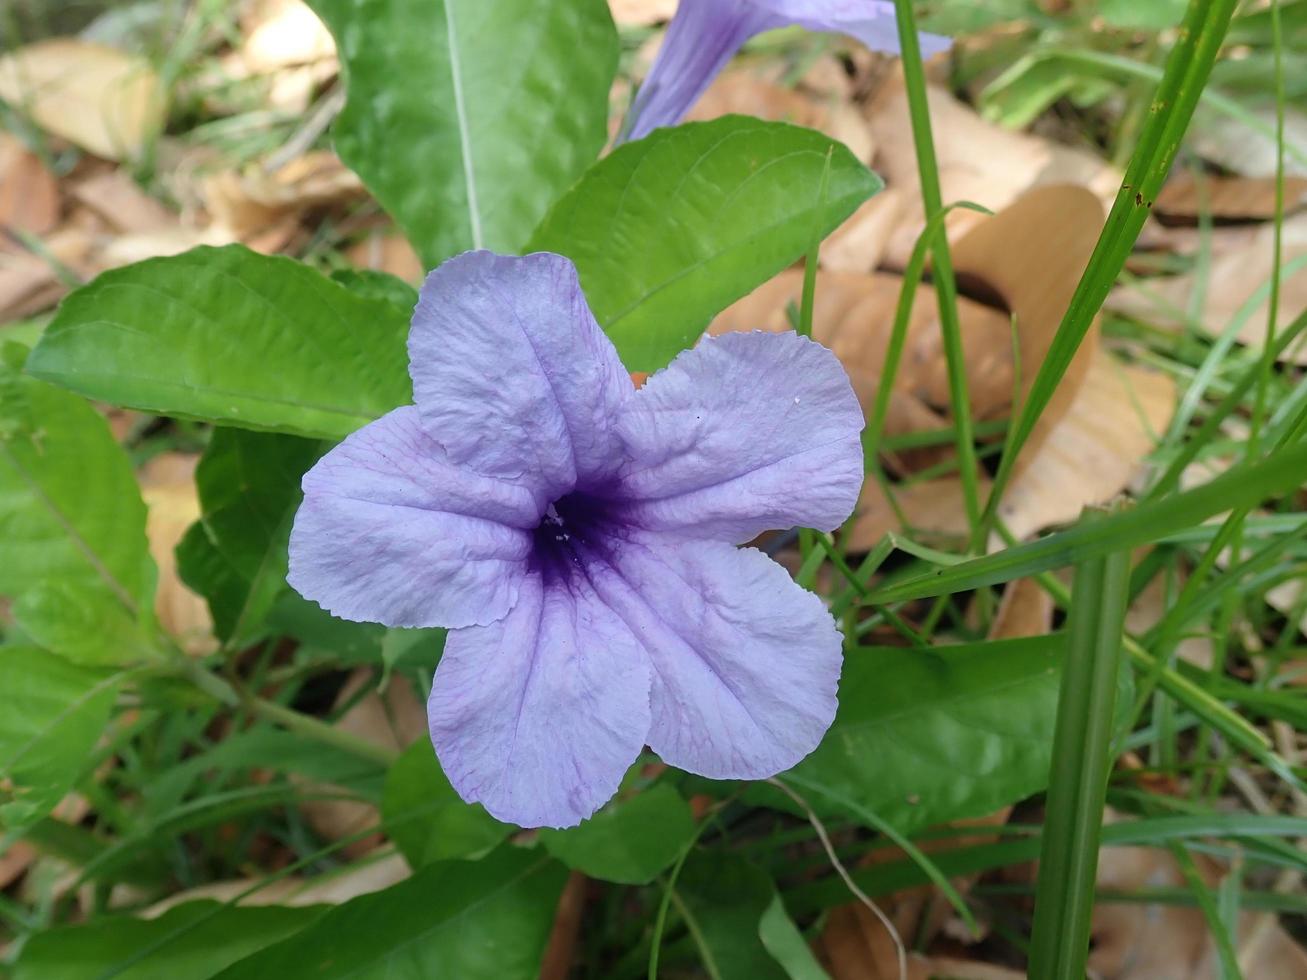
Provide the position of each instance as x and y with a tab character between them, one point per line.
560	950
853	315
388	252
1147	610
29	193
94	96
282	33
978	161
931	509
859	244
1026	609
394	719
30	283
1232	280
1239	148
253	200
168	488
1187	197
641	13
1171	941
359	878
749	91
1052	229
1093	451
119	200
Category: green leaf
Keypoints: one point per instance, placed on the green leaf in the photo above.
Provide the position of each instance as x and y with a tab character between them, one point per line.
467	118
378	285
724	899
669	230
193	941
229	336
419	649
471	920
54	714
961	731
782	939
426	819
235	555
86	625
70	510
630	841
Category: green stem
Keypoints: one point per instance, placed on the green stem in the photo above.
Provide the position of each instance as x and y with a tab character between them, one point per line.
914	74
1082	758
302	724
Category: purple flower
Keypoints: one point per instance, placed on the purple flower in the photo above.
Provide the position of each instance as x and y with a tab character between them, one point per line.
705	34
579	539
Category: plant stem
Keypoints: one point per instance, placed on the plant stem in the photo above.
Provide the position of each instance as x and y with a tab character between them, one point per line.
914	74
1082	758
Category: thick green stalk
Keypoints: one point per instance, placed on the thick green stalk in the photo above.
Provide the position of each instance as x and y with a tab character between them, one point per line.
914	75
1082	759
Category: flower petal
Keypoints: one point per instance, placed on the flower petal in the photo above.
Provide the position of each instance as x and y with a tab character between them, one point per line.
747	432
705	34
746	663
391	532
512	374
872	22
538	716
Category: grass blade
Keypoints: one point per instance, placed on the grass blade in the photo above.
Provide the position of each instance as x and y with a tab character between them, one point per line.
1244	485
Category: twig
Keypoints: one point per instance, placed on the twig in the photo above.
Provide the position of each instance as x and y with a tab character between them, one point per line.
843	872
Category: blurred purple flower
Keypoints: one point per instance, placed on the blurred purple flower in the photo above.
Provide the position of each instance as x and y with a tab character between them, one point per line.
705	34
579	538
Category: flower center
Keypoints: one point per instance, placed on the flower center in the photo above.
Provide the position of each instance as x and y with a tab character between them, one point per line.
570	534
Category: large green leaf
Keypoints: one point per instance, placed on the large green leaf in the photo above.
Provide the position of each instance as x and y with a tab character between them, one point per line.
235	555
71	517
467	118
925	736
629	841
230	336
193	941
669	230
54	713
466	919
426	819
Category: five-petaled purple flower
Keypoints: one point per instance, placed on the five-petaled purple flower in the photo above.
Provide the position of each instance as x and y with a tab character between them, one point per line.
705	34
578	536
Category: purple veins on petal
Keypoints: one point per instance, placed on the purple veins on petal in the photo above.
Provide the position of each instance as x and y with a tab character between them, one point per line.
578	538
704	35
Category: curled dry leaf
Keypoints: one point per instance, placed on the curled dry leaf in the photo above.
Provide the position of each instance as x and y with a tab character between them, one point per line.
1231	282
359	878
29	194
1026	609
393	718
30	283
1187	196
1173	941
859	244
282	33
168	488
978	161
747	91
387	252
252	200
96	97
641	13
1093	450
121	203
